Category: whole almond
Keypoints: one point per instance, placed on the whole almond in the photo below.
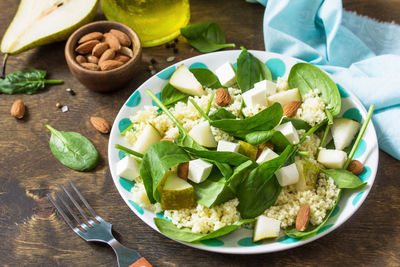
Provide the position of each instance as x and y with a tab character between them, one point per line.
18	109
126	51
100	124
86	47
122	58
99	49
222	97
112	41
355	167
290	109
90	66
90	36
122	37
183	170
110	64
303	217
80	59
107	55
92	59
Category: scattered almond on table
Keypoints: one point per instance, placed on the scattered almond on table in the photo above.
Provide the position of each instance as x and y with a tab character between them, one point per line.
18	109
98	51
100	124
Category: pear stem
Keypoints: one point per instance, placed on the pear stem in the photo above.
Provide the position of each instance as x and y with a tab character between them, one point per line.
3	67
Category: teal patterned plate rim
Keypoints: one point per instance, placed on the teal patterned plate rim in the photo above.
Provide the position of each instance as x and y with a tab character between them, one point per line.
240	241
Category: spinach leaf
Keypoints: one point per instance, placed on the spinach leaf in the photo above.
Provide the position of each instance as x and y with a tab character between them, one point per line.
186	235
231	158
205	37
239	174
297	123
220	114
344	178
311	229
262	121
206	78
129	151
308	77
170	95
260	137
25	81
73	150
157	160
213	191
261	188
250	70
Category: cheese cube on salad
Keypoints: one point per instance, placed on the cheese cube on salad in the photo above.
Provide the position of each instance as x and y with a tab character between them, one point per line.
266	155
269	86
288	130
226	74
332	158
266	228
199	170
255	96
227	146
128	168
287	175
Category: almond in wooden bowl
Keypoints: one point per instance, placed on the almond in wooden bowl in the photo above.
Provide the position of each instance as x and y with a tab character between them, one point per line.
110	78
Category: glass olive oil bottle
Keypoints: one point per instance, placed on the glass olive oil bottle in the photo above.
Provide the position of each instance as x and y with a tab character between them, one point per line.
155	21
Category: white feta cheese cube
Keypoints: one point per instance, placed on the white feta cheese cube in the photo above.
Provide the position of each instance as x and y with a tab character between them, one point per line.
255	96
226	74
266	228
270	87
287	175
128	168
266	155
331	158
285	97
227	146
288	130
199	170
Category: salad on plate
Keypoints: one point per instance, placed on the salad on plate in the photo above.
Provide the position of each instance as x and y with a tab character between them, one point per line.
235	148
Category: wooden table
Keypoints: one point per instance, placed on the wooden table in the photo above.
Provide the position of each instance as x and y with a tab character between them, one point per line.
31	234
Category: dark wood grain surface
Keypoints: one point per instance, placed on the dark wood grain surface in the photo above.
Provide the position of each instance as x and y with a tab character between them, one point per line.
31	234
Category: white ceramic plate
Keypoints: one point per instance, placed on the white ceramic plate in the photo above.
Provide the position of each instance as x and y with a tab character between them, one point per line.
240	241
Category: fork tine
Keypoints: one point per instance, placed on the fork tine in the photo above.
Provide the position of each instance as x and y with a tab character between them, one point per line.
91	210
66	219
83	213
68	208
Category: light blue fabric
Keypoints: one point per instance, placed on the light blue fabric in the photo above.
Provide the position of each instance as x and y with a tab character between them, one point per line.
363	54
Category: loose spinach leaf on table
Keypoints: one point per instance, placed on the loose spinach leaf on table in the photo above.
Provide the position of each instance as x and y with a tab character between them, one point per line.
297	123
262	121
311	229
344	178
157	160
220	114
73	150
205	36
261	188
186	235
308	77
25	81
250	70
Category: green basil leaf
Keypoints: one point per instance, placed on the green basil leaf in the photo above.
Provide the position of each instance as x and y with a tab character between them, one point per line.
220	114
186	235
344	178
297	123
206	78
262	121
261	188
157	160
25	81
205	37
250	70
308	77
311	229
73	150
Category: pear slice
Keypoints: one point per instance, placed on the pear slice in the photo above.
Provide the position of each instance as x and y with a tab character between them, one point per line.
308	175
201	133
149	136
266	228
343	131
42	22
177	193
248	150
183	80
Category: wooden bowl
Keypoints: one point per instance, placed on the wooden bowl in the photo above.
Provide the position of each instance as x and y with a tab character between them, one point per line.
103	81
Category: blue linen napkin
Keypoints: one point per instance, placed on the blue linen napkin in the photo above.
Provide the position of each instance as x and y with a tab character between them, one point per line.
360	52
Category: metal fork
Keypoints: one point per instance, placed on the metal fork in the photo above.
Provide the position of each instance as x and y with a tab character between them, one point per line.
95	229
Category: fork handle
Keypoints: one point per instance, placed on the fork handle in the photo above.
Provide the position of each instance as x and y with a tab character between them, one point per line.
128	257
